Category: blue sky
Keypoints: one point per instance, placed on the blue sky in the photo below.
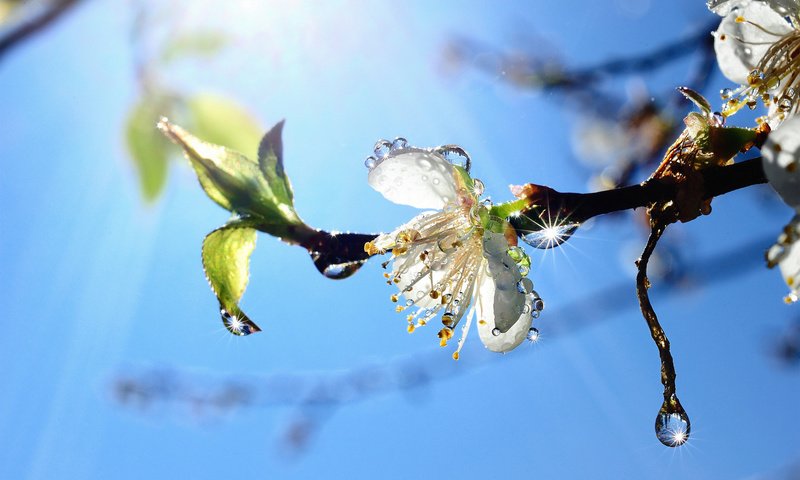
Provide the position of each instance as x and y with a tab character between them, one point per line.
98	284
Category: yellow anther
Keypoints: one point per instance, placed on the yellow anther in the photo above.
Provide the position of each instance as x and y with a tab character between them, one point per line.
740	19
385	274
411	328
481	322
393	297
434	294
455	355
422	323
399	308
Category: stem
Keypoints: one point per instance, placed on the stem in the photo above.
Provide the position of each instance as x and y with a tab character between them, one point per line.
642	285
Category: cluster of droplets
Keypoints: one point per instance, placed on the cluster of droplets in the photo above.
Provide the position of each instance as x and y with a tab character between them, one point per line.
384	148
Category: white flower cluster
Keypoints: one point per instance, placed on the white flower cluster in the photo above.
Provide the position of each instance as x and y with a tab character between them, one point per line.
758	47
458	261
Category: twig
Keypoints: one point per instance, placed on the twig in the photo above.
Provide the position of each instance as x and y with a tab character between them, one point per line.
35	25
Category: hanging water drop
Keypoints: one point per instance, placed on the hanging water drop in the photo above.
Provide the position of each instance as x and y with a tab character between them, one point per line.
382	148
238	325
725	93
550	237
370	162
477	187
672	429
533	334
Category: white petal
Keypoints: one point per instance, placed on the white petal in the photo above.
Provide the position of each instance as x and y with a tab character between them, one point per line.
781	154
723	7
505	311
415	177
741	45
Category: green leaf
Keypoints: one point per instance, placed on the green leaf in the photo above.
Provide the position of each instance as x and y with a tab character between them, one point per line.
237	184
220	120
147	148
194	44
226	261
270	160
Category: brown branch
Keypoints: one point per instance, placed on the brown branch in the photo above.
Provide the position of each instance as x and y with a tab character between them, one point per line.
579	207
34	25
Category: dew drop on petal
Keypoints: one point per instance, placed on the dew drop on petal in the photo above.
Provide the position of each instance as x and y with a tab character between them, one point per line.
399	143
370	162
496	331
455	155
672	429
525	285
538	304
382	148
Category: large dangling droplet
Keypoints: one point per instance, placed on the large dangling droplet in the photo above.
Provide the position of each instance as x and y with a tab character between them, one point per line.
672	424
550	237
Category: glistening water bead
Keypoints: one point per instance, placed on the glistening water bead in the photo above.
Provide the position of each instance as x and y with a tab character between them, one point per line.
672	429
550	237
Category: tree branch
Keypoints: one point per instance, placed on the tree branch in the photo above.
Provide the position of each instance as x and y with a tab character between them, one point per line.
36	24
579	207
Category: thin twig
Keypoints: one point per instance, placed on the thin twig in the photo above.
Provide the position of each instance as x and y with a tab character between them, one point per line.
35	25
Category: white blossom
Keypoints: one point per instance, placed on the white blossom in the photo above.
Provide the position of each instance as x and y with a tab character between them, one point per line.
457	261
757	46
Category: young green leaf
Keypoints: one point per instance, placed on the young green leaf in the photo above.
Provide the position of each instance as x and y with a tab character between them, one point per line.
221	121
234	181
194	44
226	261
270	160
147	148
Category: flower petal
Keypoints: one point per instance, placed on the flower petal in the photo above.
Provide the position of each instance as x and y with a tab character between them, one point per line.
724	7
781	153
415	177
790	261
504	312
740	45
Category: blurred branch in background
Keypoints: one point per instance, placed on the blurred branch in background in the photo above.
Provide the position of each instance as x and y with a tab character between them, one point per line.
21	21
316	397
617	136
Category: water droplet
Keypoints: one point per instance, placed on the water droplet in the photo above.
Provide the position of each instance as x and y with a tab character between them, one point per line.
551	236
496	331
525	285
477	187
399	143
538	304
409	302
424	163
419	294
725	93
424	178
455	155
785	104
436	181
535	314
524	309
382	148
672	429
238	325
718	119
533	334
370	162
